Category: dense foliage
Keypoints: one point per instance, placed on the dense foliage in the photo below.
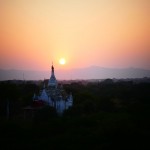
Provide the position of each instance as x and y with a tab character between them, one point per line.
105	115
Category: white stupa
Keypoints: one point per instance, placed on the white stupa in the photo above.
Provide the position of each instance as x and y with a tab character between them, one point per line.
54	95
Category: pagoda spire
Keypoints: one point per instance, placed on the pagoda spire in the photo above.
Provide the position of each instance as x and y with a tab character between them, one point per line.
52	68
52	81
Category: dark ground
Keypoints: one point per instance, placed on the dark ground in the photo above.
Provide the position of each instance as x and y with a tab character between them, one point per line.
105	115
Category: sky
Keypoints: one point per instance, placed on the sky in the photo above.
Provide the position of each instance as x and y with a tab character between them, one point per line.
105	33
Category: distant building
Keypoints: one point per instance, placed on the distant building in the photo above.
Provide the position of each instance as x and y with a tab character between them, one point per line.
54	95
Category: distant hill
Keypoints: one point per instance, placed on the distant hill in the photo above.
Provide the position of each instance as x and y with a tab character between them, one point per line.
93	72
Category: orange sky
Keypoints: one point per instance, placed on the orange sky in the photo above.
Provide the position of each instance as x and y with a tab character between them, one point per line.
107	33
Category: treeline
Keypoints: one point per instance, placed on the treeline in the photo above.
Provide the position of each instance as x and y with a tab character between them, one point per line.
104	115
107	96
16	95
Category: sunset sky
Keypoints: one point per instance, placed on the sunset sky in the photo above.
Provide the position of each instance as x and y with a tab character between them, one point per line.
106	33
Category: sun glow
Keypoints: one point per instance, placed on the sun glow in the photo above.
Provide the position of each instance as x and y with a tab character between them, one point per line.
62	61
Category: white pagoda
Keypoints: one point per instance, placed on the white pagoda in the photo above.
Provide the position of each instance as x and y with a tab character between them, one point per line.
54	95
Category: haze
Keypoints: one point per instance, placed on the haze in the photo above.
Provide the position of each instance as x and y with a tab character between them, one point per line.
106	33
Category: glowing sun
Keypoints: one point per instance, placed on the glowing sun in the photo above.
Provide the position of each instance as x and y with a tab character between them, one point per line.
62	61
